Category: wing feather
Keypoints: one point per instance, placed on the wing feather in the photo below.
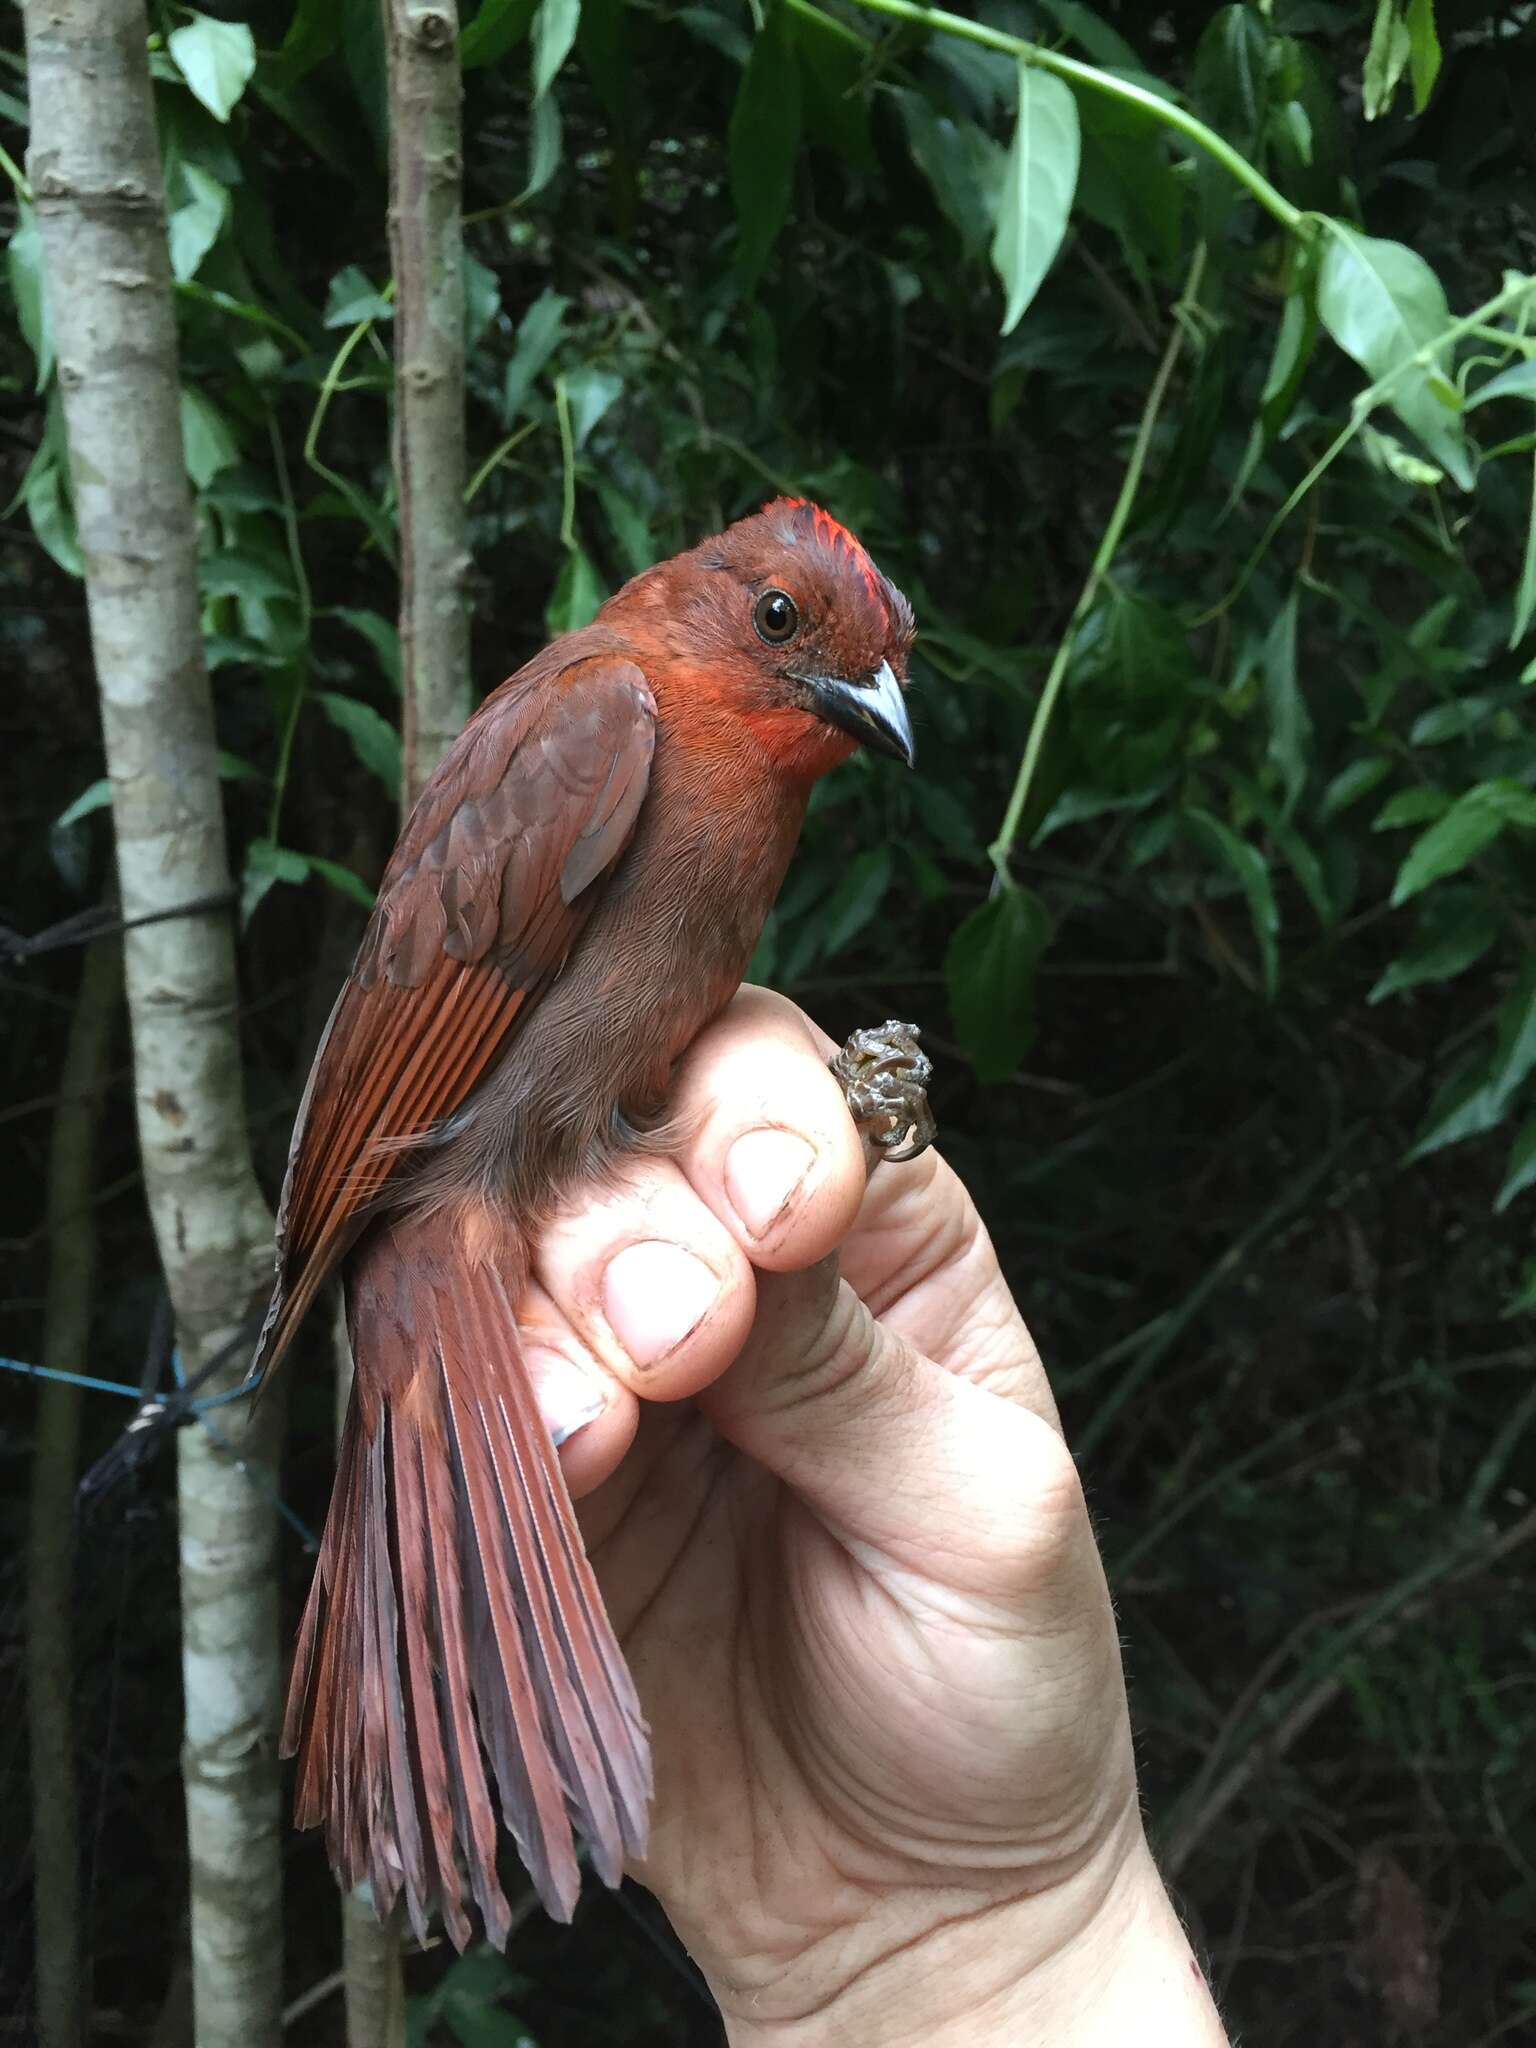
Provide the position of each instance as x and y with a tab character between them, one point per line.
486	893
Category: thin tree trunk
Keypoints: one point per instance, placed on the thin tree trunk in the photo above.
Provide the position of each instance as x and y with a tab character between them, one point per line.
63	1986
98	190
427	242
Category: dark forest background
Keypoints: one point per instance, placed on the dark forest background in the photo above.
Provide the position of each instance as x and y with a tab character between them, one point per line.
1233	1039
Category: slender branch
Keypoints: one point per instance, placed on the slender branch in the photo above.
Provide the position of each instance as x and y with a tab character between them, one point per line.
1167	112
1001	848
427	240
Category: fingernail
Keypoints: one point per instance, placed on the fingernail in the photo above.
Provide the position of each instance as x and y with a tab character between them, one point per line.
653	1295
764	1171
568	1398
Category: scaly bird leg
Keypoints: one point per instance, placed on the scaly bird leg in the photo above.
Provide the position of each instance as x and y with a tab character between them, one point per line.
884	1075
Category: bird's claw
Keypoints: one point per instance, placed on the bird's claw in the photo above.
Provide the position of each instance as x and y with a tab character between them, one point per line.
884	1075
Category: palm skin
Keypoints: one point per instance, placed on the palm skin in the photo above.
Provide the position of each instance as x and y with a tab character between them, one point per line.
853	1575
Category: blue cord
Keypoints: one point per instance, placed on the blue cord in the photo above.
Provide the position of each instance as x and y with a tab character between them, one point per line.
148	1405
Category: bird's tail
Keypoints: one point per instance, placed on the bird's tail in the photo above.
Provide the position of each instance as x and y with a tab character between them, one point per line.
455	1659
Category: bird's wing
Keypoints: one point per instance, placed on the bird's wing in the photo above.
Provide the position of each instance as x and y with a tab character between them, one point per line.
492	881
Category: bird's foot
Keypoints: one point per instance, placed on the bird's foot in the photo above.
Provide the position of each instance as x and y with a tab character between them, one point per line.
884	1076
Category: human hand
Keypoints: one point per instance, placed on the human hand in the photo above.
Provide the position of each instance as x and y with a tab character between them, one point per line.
845	1546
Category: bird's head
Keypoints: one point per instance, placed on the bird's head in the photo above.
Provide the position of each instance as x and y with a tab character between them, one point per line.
784	627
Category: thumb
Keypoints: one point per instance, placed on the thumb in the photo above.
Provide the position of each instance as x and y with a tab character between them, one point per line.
913	1469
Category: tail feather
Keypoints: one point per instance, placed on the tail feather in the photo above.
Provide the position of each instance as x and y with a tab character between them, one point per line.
455	1639
571	1692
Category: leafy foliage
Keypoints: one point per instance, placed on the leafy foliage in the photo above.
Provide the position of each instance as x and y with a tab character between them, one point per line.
1182	369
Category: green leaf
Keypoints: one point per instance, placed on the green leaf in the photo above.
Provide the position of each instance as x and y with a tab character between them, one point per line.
554	31
1351	783
482	299
374	740
1389	454
1386	58
1520	1172
1247	867
834	76
1290	725
380	633
545	142
1424	60
718	31
537	338
589	392
1515	1053
765	142
1231	74
1035	203
1411	807
95	796
1103	44
1456	927
1473	822
266	864
1518	381
51	512
990	969
1459	718
353	297
216	58
1523	1301
341	879
1525	589
497	28
961	162
236	575
1463	1108
313	33
206	438
578	593
367	64
475	2024
1383	305
1298	855
24	266
856	898
630	528
197	223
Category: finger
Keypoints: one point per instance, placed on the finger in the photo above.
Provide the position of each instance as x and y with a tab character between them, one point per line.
921	1259
773	1150
589	1412
926	1476
650	1281
769	1144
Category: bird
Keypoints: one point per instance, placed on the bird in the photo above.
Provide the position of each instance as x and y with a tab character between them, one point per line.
576	893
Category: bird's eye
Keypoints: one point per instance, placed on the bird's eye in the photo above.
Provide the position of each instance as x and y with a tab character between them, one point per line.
776	617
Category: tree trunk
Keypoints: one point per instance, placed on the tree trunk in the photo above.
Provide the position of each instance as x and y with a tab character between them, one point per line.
97	186
426	240
63	1980
427	243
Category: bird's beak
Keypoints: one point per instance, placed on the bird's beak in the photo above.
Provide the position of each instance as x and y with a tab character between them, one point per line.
873	710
